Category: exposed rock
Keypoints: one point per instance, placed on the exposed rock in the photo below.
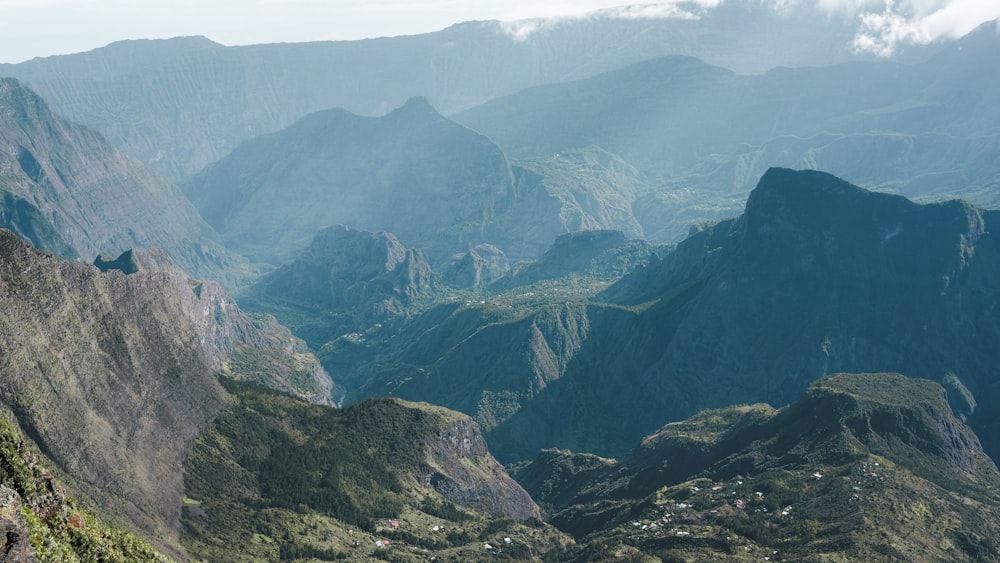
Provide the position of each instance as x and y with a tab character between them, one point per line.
478	267
469	475
855	455
113	375
14	543
68	191
349	280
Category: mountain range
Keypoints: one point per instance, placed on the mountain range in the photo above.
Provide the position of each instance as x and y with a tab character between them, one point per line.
701	135
816	276
300	302
183	103
70	192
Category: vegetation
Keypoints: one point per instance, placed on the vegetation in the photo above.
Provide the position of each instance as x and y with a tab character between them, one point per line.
38	518
274	478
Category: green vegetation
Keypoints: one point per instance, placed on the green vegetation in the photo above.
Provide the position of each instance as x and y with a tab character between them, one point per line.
273	478
33	508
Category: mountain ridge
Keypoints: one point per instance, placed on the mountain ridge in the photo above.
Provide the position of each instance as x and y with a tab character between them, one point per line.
835	473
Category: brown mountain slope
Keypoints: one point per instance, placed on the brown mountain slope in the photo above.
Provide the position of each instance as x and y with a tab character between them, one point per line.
113	375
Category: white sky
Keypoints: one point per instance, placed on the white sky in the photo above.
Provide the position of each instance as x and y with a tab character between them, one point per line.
30	28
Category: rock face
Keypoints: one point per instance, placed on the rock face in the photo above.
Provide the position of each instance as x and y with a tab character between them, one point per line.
68	191
469	475
853	455
349	279
478	267
267	462
113	375
105	373
818	276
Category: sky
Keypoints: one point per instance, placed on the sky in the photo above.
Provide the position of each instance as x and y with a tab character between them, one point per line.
32	28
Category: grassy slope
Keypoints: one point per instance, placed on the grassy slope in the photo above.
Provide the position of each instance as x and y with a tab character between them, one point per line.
275	478
56	529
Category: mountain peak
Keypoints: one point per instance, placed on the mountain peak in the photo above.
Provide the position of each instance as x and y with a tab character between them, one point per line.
417	106
821	220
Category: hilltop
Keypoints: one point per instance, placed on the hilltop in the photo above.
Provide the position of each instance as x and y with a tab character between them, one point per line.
863	466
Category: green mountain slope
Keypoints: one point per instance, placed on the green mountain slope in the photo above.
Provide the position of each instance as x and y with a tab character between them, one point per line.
867	467
276	478
817	276
70	192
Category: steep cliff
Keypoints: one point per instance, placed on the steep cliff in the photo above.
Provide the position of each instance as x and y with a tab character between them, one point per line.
346	281
70	192
818	276
113	375
275	477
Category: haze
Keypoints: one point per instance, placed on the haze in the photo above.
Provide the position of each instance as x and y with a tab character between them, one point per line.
33	28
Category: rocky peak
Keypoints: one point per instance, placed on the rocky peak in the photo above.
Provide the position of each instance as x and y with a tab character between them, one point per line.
416	109
366	276
469	475
478	267
793	213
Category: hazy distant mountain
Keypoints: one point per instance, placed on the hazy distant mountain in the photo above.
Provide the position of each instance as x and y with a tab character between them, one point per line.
70	192
433	183
702	135
180	104
838	473
817	276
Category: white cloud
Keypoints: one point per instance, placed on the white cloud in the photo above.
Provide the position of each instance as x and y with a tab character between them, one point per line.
918	22
75	25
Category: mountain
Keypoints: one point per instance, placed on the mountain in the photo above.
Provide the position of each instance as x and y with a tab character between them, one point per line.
863	467
40	523
183	103
817	276
70	192
273	478
345	282
701	135
112	375
433	183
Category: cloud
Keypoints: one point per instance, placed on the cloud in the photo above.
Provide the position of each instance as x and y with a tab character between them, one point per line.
884	26
914	22
522	29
